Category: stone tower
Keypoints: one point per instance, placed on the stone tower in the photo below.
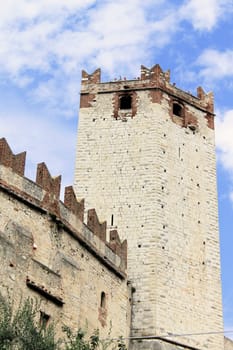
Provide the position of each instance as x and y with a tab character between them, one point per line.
146	161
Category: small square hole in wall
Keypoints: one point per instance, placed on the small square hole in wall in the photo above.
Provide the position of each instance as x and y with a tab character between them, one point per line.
44	319
125	102
177	109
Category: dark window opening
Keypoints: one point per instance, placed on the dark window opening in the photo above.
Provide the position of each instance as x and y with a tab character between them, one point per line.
177	109
103	300
112	220
44	319
126	102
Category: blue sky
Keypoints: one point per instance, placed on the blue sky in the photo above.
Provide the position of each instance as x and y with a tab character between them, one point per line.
44	44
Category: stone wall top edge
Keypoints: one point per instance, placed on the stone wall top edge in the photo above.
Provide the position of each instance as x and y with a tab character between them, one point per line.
153	78
175	93
43	195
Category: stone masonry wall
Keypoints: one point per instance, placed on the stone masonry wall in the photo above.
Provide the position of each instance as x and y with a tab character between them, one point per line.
48	253
150	170
228	344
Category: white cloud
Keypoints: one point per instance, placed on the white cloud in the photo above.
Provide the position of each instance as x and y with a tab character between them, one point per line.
44	45
44	139
12	10
231	198
216	64
204	15
224	142
224	139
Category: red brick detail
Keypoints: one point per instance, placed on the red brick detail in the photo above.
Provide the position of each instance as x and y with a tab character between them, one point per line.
124	253
93	78
151	78
6	155
99	229
51	186
190	121
44	292
115	242
19	163
51	203
86	100
48	183
208	99
118	247
145	73
210	120
72	204
102	316
116	103
134	103
210	104
7	158
176	119
186	119
85	76
156	96
200	93
155	74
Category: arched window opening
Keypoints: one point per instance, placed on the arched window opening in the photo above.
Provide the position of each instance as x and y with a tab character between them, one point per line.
177	109
126	102
103	300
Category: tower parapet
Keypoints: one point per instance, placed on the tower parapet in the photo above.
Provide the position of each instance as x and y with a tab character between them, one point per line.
154	80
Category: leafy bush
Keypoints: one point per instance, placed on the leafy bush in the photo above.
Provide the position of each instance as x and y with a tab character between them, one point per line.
21	330
78	341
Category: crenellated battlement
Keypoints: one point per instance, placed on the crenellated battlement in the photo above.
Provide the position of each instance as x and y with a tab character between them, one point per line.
93	78
44	195
7	158
154	79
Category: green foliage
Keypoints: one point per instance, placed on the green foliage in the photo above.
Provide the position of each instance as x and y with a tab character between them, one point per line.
21	330
78	341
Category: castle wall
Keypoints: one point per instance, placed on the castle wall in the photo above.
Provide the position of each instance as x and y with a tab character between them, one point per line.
48	253
228	344
152	175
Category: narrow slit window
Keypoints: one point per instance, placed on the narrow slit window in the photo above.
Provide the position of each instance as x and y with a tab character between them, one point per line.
103	300
112	220
126	102
177	109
